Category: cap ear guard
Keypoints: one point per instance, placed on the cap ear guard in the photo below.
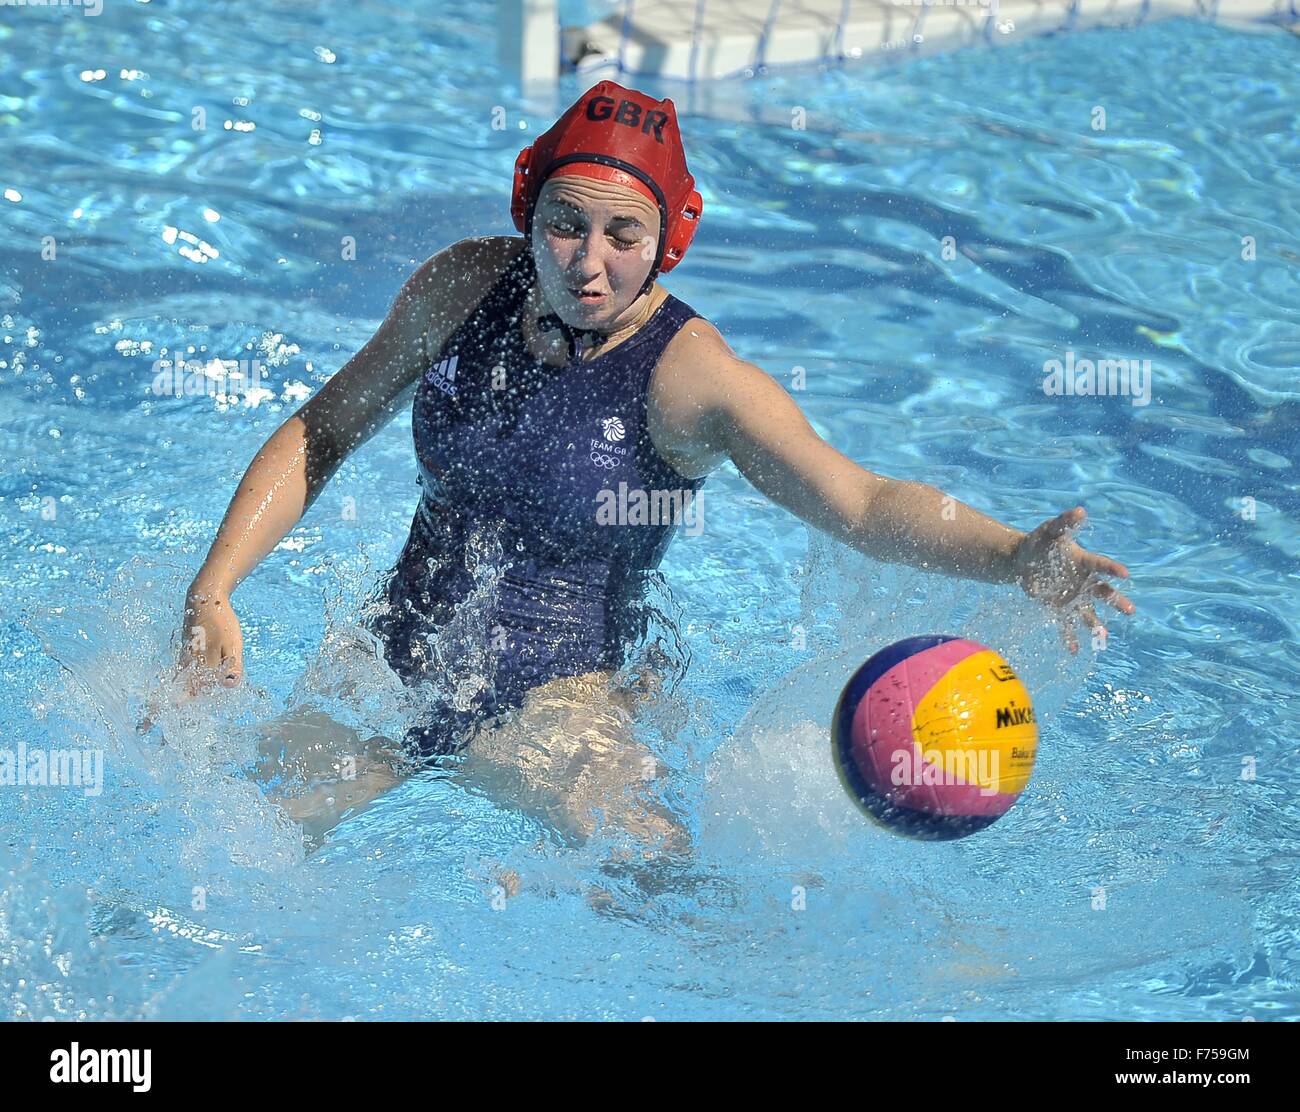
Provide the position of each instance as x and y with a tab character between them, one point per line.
519	198
688	220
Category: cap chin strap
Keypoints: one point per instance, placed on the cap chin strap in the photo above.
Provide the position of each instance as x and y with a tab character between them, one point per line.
551	321
648	285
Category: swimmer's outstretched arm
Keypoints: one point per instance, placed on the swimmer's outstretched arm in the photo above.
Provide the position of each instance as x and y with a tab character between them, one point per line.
730	408
293	466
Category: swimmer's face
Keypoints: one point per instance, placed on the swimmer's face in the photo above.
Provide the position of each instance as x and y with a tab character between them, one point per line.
594	242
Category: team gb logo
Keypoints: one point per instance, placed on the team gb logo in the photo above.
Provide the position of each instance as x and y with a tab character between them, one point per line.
613	429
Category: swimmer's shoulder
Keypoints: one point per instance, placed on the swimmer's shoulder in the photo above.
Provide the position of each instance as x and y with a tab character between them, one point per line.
695	374
448	285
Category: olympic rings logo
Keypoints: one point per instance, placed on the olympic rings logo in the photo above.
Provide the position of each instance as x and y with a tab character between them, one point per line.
602	460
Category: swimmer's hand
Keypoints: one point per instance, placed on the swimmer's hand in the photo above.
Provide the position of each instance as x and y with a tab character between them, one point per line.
212	652
212	645
1049	566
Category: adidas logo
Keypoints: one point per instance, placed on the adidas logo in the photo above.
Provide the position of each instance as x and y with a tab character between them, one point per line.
443	376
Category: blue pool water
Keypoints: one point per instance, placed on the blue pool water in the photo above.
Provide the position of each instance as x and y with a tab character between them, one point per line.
1143	874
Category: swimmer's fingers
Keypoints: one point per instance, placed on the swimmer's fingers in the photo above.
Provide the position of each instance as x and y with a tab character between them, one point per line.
191	678
228	672
231	670
1102	565
1065	623
152	705
1089	617
192	675
201	679
1112	597
1061	526
197	676
193	654
1086	614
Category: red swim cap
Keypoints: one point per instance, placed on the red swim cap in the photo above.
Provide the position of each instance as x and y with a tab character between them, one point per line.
618	135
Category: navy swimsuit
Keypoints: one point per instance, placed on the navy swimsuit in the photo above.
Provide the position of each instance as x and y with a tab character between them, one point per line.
514	571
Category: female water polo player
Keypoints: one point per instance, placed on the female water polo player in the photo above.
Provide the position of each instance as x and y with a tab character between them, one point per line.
553	381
